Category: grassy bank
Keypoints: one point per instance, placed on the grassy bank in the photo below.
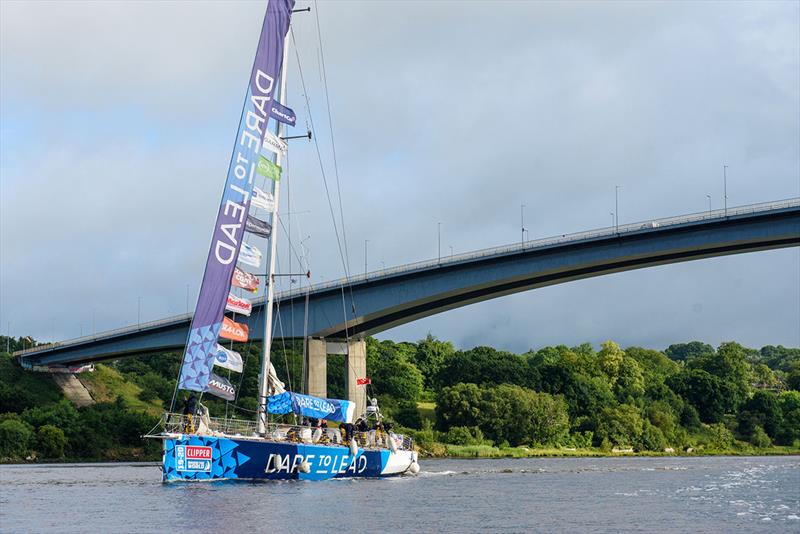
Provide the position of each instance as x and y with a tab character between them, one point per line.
443	450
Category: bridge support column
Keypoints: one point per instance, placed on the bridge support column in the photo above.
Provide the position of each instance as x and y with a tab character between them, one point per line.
357	368
317	367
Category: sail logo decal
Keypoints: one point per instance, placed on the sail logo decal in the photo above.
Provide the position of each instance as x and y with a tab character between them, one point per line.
192	458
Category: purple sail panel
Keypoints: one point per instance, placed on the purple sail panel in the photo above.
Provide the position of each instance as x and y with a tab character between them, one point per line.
229	228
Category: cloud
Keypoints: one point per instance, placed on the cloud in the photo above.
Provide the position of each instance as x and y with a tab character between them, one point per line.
118	119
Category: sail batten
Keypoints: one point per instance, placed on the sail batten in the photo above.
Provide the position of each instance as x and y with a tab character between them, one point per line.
234	207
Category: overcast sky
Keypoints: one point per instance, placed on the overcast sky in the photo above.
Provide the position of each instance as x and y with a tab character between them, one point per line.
118	119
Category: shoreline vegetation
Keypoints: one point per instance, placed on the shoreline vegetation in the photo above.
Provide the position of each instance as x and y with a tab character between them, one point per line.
687	400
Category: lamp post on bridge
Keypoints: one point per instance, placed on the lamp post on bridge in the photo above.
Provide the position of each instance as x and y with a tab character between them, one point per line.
709	203
439	233
522	223
612	218
365	257
616	207
725	187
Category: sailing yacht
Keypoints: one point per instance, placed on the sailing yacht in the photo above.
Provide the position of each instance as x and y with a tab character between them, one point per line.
330	440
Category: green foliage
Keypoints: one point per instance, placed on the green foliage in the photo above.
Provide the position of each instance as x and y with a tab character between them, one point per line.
51	441
21	389
760	439
483	365
634	397
391	371
459	405
710	395
407	414
682	352
15	439
652	438
621	425
781	358
721	437
505	413
462	435
430	356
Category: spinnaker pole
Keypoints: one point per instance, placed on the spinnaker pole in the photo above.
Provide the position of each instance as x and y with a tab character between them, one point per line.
263	384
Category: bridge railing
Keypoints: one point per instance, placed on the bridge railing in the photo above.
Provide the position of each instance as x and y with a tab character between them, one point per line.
627	228
719	214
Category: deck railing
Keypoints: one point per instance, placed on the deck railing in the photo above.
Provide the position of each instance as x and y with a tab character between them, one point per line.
175	423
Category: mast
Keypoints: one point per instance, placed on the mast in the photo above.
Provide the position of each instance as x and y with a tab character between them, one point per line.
266	349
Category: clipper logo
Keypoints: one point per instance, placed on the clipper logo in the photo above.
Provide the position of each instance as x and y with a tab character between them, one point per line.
192	458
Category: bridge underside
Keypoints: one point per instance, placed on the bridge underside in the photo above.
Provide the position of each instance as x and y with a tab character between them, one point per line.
383	301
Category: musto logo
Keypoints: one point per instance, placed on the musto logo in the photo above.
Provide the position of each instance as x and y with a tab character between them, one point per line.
192	458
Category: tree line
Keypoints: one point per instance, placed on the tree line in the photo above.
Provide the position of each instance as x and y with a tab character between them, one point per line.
689	395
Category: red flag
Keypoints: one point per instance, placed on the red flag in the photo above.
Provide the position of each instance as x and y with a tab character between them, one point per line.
244	280
233	331
363	381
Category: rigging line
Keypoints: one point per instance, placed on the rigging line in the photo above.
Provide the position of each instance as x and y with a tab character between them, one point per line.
283	344
319	158
283	341
324	180
324	77
330	126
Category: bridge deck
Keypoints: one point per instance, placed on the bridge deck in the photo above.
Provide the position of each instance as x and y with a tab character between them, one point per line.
454	280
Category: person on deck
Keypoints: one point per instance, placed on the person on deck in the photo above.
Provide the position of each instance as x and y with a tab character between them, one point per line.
189	411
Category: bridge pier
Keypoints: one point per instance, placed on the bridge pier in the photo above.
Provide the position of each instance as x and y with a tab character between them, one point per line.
317	365
356	368
355	352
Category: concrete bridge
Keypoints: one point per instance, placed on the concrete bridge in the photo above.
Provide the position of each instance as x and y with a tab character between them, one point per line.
328	314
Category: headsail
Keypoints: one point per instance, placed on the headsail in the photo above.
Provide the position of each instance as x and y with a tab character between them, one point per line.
198	358
319	408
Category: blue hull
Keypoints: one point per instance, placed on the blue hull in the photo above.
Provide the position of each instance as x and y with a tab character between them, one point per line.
213	458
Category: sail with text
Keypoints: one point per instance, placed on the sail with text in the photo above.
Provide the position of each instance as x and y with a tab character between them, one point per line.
246	163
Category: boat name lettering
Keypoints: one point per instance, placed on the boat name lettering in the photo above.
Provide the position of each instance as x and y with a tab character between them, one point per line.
325	463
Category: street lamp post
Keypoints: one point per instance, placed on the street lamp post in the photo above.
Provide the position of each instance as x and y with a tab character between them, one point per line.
522	223
709	203
365	257
616	206
725	187
612	218
439	232
451	251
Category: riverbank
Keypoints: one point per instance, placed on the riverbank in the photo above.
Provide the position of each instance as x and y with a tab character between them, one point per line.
488	451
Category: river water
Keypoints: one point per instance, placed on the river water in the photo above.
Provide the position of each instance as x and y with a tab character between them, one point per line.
719	494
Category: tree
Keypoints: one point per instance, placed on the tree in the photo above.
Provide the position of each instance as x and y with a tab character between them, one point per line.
652	439
391	371
730	365
789	402
711	396
407	414
610	359
458	405
780	357
761	411
682	352
483	365
15	438
655	365
430	356
521	416
51	441
621	425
